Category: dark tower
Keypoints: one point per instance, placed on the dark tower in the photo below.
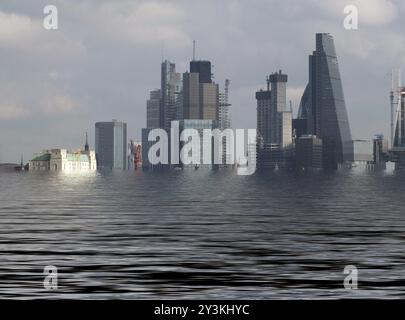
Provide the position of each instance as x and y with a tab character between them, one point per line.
86	146
203	68
323	104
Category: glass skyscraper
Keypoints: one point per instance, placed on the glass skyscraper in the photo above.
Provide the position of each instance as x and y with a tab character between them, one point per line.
111	145
323	104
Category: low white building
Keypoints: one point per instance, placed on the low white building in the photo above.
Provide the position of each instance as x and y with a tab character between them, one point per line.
65	161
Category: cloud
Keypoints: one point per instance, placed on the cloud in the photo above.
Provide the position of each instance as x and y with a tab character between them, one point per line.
365	45
142	23
26	35
15	29
57	104
371	12
10	112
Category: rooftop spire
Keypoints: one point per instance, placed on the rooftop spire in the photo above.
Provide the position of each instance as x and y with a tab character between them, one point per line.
268	83
86	146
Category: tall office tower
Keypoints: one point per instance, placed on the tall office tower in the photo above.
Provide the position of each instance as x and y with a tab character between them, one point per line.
111	145
399	133
398	148
224	118
170	88
209	99
203	68
153	110
280	116
323	104
191	96
274	122
179	106
200	100
263	98
224	122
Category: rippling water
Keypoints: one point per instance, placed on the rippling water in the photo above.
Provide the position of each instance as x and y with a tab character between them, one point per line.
202	234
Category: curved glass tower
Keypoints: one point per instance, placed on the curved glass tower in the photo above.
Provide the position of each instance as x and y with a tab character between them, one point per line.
323	104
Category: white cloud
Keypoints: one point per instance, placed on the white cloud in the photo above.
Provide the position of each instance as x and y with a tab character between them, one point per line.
146	23
377	47
21	32
56	104
10	112
371	12
15	29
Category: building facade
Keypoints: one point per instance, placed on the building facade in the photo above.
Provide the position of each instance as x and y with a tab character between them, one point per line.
171	86
203	68
153	109
198	142
111	145
61	160
191	96
399	133
209	101
380	151
274	123
308	150
323	104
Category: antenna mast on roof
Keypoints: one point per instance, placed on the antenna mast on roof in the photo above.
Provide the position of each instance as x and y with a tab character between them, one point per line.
193	50
268	83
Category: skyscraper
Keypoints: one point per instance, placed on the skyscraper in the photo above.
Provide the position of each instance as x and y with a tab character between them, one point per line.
224	118
153	110
111	145
203	68
171	85
224	122
274	122
398	147
263	98
191	96
399	133
323	104
209	101
280	117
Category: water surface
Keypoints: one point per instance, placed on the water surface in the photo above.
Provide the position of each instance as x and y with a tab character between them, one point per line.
202	234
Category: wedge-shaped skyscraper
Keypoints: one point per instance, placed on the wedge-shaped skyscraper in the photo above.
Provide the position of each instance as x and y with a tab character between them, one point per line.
323	104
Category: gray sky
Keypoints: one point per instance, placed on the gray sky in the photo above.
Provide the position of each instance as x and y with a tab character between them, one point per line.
105	58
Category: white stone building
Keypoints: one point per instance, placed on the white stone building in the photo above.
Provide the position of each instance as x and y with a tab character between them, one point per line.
65	161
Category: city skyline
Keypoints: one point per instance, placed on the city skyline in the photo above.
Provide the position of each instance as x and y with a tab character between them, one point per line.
53	96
